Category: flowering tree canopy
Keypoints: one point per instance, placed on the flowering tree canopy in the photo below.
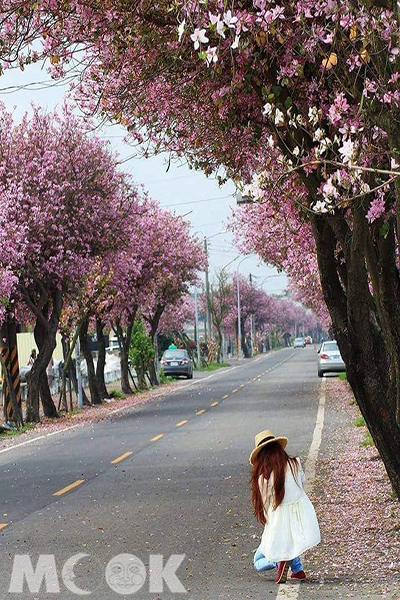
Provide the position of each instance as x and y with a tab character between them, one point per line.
293	98
61	204
177	315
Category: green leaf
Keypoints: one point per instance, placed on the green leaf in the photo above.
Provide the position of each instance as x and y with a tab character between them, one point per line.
384	230
277	90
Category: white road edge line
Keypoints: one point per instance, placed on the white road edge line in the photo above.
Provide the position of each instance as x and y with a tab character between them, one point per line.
291	591
118	410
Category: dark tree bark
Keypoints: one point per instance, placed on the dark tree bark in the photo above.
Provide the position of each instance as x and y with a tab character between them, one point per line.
101	360
361	327
48	343
154	322
71	378
95	395
48	405
245	348
124	340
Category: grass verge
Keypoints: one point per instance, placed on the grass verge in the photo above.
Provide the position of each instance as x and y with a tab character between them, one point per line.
15	432
214	366
117	394
367	441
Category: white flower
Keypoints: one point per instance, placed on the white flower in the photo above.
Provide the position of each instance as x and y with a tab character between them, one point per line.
181	29
320	207
199	37
271	141
324	145
313	115
296	151
229	19
365	187
221	29
319	134
214	18
267	109
347	151
394	164
278	117
329	189
211	55
236	42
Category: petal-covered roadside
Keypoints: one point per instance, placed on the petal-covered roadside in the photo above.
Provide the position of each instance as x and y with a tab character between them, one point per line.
357	510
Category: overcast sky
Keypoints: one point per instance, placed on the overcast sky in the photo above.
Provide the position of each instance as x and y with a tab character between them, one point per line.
180	189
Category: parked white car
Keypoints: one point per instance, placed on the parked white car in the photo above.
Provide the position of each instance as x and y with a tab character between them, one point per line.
299	342
330	359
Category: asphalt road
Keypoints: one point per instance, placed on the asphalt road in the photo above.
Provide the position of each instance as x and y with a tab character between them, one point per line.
179	488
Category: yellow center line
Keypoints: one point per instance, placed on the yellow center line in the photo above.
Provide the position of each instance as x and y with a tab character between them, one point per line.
225	397
69	487
200	412
181	423
235	390
214	404
2	525
157	437
121	458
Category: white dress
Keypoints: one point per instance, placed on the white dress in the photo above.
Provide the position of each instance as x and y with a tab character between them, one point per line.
293	527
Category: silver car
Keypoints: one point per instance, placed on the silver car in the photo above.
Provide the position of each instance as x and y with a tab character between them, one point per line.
330	359
299	342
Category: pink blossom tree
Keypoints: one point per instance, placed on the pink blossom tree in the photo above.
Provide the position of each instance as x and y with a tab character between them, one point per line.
299	97
177	315
60	197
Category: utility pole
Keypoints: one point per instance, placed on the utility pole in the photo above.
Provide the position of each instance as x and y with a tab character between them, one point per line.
208	312
197	329
78	373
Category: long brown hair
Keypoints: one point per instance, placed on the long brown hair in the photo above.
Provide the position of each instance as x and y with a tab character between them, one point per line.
272	458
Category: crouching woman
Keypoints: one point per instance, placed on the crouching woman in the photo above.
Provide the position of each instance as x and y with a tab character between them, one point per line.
282	506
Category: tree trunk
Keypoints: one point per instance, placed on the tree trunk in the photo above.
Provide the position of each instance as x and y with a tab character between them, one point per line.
40	335
124	341
101	360
219	340
44	356
154	322
245	348
83	338
359	332
49	407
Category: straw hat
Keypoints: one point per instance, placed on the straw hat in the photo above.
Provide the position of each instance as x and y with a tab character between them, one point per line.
262	439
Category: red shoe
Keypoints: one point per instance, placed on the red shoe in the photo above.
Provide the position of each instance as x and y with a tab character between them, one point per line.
282	572
299	575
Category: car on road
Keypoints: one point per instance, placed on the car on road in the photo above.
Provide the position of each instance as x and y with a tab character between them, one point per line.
330	359
177	362
299	343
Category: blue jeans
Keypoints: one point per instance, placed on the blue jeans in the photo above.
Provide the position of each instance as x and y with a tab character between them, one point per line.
262	564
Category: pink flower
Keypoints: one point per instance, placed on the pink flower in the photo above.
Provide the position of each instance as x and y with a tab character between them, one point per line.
376	209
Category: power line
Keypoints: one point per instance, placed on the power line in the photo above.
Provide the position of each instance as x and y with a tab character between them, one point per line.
171	179
196	201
